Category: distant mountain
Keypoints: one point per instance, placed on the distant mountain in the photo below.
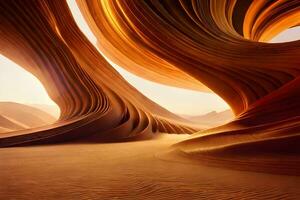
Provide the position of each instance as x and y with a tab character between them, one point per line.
7	125
15	116
212	119
50	109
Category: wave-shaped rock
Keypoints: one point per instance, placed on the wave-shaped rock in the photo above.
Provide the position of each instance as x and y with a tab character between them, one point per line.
217	46
93	98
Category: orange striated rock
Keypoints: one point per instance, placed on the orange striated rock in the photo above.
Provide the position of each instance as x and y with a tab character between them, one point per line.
210	45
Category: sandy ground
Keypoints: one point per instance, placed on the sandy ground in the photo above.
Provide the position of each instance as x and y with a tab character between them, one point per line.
129	170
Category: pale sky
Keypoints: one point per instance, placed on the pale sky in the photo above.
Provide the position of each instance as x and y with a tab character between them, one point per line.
18	85
288	35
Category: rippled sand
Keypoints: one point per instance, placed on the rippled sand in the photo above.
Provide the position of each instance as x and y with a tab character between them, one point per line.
129	170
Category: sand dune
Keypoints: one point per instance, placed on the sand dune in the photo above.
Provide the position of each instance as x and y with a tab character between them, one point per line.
15	117
129	170
7	125
50	109
212	119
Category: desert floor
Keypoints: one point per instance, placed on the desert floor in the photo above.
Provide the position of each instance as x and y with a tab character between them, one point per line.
128	170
